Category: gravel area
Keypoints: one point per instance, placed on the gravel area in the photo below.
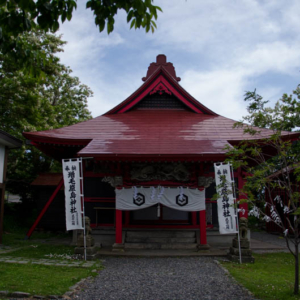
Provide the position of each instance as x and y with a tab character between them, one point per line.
274	239
161	279
268	238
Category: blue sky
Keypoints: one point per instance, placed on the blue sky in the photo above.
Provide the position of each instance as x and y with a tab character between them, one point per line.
219	48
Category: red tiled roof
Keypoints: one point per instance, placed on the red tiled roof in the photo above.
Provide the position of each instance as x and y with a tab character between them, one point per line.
124	131
150	132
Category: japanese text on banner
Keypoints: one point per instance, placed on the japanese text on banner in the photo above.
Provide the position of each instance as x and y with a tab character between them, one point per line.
226	211
72	195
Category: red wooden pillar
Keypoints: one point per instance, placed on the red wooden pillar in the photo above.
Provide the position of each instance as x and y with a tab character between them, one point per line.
202	223
118	226
242	206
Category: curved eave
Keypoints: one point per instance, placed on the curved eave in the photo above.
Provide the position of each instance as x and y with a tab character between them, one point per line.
34	137
285	135
157	157
9	141
58	151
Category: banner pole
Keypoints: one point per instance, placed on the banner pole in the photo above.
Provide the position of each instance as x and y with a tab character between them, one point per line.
236	212
82	206
239	239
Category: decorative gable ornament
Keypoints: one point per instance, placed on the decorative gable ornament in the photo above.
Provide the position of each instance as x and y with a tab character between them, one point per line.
160	89
161	62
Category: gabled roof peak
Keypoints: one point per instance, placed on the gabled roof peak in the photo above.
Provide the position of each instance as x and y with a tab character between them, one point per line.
161	62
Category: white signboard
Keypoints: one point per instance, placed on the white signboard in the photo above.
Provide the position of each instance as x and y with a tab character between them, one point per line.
179	198
72	194
2	156
226	210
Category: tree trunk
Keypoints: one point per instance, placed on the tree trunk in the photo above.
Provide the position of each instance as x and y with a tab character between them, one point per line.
296	286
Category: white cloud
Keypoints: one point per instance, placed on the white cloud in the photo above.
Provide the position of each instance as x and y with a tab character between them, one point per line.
219	48
220	90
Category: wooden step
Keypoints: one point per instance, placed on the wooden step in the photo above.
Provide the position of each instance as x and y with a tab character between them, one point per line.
160	234
167	246
160	240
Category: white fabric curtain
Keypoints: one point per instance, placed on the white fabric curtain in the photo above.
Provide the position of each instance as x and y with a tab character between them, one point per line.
185	199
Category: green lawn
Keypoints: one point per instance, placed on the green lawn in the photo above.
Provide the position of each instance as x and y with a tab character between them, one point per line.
44	251
39	279
17	238
270	277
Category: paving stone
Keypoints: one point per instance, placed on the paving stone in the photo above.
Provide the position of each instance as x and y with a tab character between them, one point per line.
85	266
73	287
54	297
38	297
11	261
19	295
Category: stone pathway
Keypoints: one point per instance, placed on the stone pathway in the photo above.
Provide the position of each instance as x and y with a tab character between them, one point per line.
48	262
189	278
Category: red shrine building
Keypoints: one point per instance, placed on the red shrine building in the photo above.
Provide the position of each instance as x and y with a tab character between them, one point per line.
159	137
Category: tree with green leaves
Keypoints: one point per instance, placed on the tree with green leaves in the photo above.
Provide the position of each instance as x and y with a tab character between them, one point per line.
19	16
53	100
273	166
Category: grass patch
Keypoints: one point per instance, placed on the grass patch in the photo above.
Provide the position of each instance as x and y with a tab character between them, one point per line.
39	279
18	218
42	251
270	277
16	239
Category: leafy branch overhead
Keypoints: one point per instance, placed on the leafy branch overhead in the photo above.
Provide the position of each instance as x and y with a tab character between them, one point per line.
21	16
17	16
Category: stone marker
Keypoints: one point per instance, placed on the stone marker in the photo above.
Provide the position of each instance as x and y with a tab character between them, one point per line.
90	242
246	252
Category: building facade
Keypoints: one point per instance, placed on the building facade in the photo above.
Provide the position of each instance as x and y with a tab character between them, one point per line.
159	137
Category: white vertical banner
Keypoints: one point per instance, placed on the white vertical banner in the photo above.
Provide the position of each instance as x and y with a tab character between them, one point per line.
225	189
73	193
2	158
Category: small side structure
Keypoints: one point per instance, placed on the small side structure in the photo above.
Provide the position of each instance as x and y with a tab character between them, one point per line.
7	142
43	187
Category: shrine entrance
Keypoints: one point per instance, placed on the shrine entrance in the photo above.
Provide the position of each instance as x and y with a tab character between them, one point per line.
160	215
